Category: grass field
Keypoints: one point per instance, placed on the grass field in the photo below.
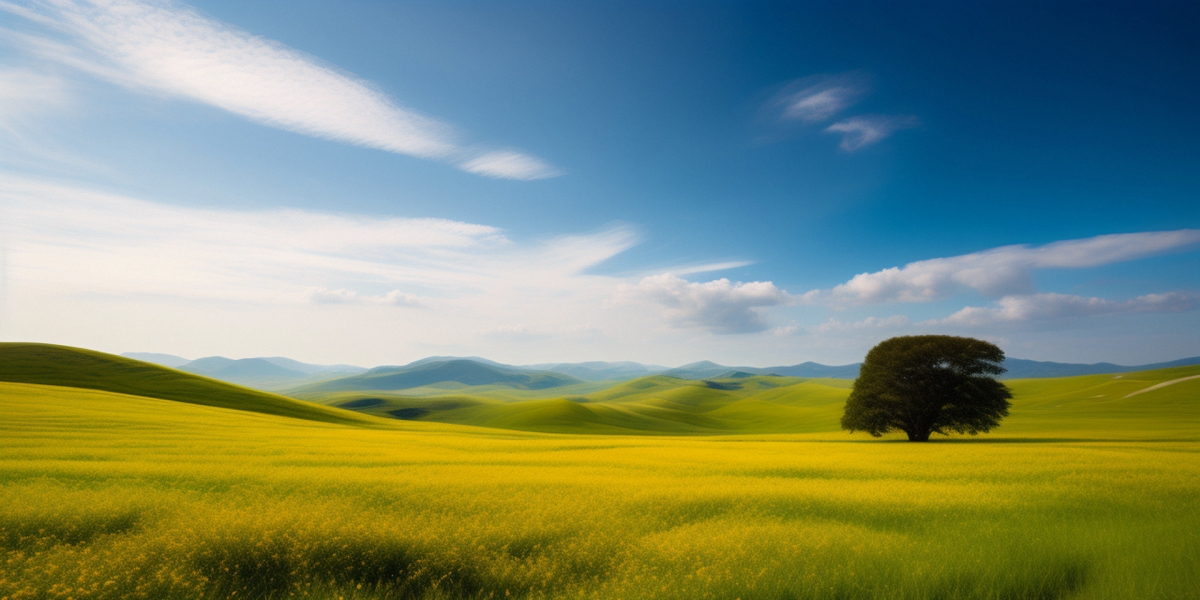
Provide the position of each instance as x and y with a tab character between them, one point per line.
1083	492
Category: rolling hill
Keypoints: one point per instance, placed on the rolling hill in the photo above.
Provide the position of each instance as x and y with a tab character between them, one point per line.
758	404
47	364
651	405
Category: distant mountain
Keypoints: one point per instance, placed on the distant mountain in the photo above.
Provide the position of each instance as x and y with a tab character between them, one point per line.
705	369
812	369
1017	369
278	373
272	373
312	369
166	360
601	371
478	359
458	370
1027	369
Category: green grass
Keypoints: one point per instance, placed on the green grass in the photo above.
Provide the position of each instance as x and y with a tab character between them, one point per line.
79	368
665	405
105	495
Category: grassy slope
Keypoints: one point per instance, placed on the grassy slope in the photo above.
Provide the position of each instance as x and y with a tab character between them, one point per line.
110	496
666	405
79	368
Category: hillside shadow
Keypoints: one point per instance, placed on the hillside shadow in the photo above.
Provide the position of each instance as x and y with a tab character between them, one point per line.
1042	440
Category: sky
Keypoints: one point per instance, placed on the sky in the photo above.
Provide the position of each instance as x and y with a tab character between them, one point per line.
665	182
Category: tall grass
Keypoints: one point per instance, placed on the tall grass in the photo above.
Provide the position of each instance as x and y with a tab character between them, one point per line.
111	496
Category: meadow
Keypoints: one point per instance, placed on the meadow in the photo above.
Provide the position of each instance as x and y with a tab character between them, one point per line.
1085	491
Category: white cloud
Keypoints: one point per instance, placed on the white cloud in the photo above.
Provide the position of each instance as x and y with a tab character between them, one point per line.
168	48
1004	271
787	330
1056	306
507	164
341	296
345	296
816	99
111	244
718	306
399	298
860	132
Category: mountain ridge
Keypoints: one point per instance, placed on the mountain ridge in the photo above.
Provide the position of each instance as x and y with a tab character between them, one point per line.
280	373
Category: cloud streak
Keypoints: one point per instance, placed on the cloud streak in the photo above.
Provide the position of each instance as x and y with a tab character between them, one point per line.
1004	271
816	99
170	49
860	132
109	244
1039	307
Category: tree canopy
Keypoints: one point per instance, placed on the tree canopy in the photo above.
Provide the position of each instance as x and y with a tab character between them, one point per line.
924	384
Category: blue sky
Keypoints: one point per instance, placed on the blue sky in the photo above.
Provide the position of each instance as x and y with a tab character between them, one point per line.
759	184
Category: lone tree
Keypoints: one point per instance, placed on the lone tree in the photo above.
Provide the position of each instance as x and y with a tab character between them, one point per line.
923	384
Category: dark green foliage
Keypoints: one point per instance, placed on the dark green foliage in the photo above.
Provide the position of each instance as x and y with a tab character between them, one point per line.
925	384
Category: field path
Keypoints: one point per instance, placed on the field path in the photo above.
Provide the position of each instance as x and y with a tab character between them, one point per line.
1163	384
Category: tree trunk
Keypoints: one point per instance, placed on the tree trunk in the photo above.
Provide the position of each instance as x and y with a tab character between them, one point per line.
918	436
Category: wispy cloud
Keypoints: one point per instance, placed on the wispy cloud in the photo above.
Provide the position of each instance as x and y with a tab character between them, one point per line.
168	48
109	244
1004	271
718	306
24	93
507	164
345	296
819	98
1036	307
860	132
86	264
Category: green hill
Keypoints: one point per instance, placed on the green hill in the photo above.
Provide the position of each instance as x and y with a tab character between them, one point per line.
651	405
661	404
65	366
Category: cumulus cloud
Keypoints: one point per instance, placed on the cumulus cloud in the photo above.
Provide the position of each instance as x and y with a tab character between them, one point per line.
860	132
1004	271
718	306
168	48
1055	306
816	99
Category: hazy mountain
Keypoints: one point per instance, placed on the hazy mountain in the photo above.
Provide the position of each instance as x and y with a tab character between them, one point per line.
705	369
312	369
277	372
166	360
272	373
458	370
711	370
812	369
478	359
601	371
1022	369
